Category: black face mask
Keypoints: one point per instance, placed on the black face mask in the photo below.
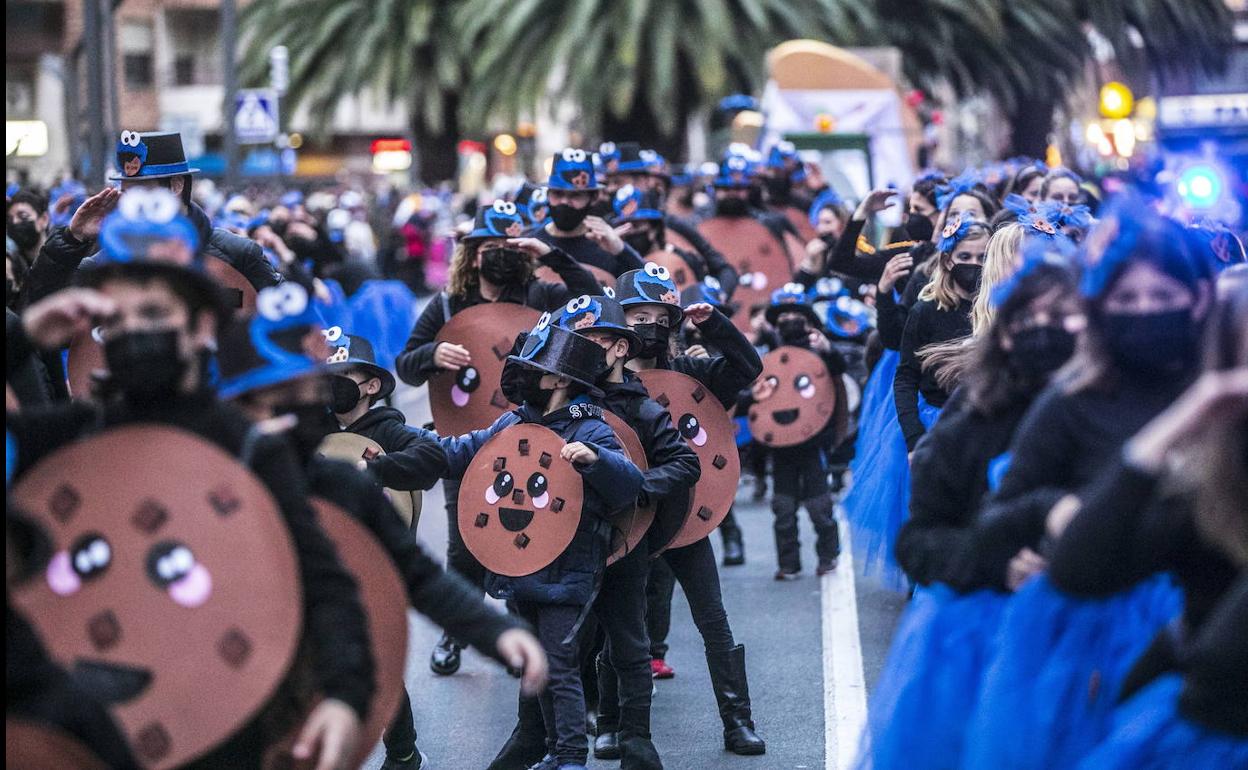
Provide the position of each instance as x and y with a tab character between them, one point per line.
344	394
313	422
641	242
793	332
1155	346
145	366
502	266
655	340
779	189
530	390
567	217
968	276
25	234
732	207
1040	351
918	227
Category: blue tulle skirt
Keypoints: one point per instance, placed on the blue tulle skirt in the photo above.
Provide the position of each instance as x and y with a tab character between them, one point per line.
1058	665
1150	734
878	502
931	679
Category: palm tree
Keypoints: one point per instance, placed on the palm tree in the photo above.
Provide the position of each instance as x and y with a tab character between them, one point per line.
635	69
405	48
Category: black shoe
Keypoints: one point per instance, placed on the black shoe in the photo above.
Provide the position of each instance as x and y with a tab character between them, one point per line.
417	761
637	753
445	659
732	693
607	746
734	550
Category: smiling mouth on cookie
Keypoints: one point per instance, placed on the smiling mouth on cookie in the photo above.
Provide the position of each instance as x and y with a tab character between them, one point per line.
514	519
785	416
111	682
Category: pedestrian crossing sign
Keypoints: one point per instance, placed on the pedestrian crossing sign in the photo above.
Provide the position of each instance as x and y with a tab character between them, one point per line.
255	116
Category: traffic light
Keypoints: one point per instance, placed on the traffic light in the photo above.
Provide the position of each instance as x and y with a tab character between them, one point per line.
1200	186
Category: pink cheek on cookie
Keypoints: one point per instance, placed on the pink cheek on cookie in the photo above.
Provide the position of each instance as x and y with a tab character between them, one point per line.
458	397
700	439
61	576
194	589
490	497
807	392
542	500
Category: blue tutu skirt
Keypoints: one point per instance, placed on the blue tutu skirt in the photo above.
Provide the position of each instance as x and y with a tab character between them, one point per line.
878	502
1150	734
928	689
1058	665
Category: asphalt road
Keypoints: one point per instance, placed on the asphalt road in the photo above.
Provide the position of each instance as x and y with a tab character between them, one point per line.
462	720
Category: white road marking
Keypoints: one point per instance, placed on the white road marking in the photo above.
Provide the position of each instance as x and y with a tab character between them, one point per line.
844	685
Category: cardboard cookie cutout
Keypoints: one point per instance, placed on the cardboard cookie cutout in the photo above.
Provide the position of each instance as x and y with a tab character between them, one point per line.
240	294
351	448
630	527
761	261
681	273
802	402
470	398
35	745
603	277
173	591
706	427
385	603
801	220
519	501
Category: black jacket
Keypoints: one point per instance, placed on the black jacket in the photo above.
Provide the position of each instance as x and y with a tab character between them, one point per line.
334	622
62	254
413	458
949	477
926	324
24	368
674	467
444	597
415	363
727	374
715	263
1215	666
585	251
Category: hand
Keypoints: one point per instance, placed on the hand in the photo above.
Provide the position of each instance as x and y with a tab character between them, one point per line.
85	224
330	734
1025	564
876	201
533	246
1217	397
697	351
269	240
1061	514
603	234
763	388
524	654
52	322
819	342
578	454
448	355
699	312
814	177
815	257
897	268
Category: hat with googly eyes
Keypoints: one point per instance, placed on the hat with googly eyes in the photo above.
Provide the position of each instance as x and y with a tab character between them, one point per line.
849	318
281	343
349	352
573	170
552	349
531	203
652	285
500	219
792	298
152	155
632	204
598	313
735	172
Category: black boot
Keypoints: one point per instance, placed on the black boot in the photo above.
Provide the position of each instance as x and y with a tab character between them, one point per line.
734	549
607	744
732	692
445	659
637	753
527	744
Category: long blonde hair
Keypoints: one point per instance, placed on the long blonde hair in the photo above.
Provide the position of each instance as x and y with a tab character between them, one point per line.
1001	260
941	289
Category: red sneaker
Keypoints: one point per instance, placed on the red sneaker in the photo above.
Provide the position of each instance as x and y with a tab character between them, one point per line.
660	670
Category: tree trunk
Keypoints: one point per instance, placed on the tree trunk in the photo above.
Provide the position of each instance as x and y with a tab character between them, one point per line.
437	150
1031	124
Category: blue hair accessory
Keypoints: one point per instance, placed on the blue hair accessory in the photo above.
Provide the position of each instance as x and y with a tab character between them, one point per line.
930	175
1079	216
955	231
826	199
959	185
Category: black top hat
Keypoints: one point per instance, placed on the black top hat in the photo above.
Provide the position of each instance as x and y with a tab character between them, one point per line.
552	349
598	313
354	352
156	155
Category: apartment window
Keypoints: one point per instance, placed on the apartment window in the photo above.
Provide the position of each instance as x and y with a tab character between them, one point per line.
136	52
184	70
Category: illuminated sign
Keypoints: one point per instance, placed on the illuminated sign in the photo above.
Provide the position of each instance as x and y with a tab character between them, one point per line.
25	138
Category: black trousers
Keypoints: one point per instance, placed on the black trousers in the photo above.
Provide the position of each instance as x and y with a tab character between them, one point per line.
400	736
801	479
563	701
458	557
659	589
624	682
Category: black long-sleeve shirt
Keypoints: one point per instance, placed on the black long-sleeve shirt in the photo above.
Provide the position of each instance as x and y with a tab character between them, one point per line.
413	457
444	597
1215	666
415	363
334	622
926	324
727	374
584	250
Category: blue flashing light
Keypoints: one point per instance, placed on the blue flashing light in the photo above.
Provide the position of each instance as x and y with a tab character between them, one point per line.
1200	186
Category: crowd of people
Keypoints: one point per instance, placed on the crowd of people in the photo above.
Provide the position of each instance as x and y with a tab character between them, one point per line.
1028	405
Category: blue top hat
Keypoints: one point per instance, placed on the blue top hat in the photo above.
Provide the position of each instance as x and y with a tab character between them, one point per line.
791	298
501	219
598	313
609	157
156	155
573	169
849	319
632	204
735	172
652	285
531	203
280	343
